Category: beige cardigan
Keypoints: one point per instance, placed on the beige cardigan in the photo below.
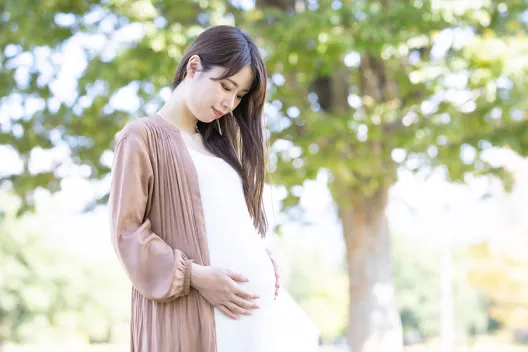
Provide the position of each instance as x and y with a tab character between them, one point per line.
158	230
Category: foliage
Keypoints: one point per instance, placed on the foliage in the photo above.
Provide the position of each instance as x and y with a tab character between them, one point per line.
448	85
48	293
320	289
359	88
417	270
501	272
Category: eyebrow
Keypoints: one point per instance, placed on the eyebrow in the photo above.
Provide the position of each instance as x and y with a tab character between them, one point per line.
236	84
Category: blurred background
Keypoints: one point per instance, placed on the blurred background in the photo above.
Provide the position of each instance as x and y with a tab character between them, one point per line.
398	133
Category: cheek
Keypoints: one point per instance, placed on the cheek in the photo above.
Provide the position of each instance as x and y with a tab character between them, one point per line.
198	96
195	104
207	94
201	98
213	93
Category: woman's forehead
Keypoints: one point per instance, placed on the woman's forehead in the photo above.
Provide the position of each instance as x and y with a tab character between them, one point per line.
243	78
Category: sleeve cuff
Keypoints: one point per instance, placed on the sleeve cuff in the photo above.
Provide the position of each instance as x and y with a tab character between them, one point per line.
181	279
187	277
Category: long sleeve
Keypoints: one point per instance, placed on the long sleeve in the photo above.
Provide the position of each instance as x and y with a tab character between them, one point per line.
156	270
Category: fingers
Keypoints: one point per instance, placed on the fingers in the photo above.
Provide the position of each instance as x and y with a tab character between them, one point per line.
275	267
237	290
237	276
246	295
275	264
244	303
277	275
234	308
227	312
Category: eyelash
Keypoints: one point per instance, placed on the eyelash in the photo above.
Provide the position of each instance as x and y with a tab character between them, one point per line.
228	90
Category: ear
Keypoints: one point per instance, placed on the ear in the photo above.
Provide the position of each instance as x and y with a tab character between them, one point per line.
193	65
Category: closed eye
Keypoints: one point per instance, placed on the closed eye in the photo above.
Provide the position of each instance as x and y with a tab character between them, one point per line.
224	87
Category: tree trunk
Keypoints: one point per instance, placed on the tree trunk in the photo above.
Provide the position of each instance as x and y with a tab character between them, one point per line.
374	322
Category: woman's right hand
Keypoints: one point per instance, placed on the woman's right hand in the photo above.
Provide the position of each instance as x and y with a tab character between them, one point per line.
219	286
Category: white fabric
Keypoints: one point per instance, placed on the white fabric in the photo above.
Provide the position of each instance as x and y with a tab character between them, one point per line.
234	244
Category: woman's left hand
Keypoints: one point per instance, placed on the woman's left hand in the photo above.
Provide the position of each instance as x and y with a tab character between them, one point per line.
277	275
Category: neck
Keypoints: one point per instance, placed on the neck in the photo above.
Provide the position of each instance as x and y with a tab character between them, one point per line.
176	112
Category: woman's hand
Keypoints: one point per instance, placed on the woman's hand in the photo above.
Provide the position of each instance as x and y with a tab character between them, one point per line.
220	288
277	275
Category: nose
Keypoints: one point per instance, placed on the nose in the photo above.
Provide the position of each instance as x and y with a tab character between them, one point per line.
229	103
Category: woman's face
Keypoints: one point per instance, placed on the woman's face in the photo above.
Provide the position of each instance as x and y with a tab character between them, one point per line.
209	100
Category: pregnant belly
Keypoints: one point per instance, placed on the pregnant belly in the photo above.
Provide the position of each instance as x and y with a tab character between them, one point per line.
249	332
245	254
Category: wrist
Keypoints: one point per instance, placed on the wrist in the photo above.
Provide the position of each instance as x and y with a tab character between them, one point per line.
197	275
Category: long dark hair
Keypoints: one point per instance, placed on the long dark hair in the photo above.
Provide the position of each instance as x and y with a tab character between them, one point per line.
238	138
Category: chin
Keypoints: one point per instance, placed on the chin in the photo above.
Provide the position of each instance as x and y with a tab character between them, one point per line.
206	119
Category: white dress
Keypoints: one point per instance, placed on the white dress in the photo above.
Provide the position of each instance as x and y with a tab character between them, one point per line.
235	244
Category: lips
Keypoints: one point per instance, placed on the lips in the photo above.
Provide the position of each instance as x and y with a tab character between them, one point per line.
217	113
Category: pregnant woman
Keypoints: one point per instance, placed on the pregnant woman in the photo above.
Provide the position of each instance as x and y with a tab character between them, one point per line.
186	207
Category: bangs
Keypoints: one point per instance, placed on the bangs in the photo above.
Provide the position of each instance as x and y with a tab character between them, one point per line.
257	92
